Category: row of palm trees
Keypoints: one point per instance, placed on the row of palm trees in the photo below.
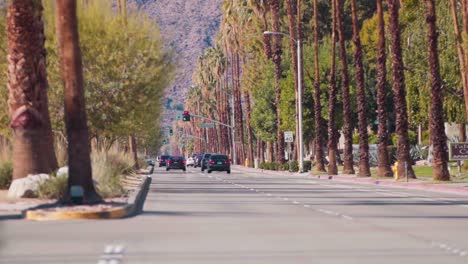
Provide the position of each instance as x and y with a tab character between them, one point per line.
244	19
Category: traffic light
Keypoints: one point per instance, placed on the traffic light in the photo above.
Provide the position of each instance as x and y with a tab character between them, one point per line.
186	116
171	132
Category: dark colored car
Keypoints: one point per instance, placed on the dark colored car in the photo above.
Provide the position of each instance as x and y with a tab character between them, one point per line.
176	162
163	160
218	162
204	161
198	160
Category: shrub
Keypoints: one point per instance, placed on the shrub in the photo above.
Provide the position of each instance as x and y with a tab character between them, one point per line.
269	166
355	138
53	188
412	137
373	139
294	166
108	167
307	165
6	174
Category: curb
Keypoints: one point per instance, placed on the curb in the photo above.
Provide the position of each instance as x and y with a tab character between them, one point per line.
133	207
418	186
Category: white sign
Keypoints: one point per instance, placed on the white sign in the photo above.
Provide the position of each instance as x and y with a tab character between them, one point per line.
288	137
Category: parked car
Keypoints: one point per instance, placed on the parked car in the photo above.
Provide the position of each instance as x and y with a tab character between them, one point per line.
190	162
198	160
163	160
150	162
219	162
176	162
204	161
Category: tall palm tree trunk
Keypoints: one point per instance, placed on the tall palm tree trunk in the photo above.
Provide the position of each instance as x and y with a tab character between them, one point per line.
399	92
79	161
250	152
438	136
384	169
33	150
319	156
299	37
364	170
293	47
332	131
461	53
238	111
347	126
275	20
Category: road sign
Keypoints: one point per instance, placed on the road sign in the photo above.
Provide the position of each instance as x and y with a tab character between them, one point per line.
288	137
458	151
207	125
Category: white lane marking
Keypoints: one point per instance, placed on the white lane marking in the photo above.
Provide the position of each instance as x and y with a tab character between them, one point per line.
286	199
295	202
347	217
449	249
306	206
113	254
269	194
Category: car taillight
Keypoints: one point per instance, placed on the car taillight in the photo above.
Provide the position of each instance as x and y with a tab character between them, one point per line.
211	162
161	160
169	161
183	161
228	161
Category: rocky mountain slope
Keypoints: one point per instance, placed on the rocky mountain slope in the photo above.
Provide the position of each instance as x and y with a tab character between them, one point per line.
188	27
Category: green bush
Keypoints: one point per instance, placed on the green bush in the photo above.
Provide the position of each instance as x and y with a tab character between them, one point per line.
307	165
373	139
53	188
269	166
294	166
412	137
355	138
6	174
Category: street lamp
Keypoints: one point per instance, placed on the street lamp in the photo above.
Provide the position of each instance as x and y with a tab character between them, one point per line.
299	97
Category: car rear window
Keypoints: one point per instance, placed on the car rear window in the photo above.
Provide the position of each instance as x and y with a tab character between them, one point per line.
176	158
219	157
165	157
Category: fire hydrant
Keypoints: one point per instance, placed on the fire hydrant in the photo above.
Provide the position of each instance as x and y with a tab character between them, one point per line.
395	170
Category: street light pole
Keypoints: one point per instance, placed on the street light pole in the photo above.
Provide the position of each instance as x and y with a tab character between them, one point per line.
299	99
299	96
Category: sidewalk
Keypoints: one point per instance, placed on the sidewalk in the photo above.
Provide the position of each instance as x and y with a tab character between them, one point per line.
422	183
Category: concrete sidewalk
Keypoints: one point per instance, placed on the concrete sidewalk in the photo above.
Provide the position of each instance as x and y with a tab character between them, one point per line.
458	186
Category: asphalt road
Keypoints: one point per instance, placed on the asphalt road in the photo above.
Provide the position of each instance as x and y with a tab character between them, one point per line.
252	218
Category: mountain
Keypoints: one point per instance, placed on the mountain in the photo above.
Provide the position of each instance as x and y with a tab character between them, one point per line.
188	27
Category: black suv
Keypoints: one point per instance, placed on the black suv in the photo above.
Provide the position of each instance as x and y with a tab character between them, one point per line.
176	162
163	160
218	162
204	161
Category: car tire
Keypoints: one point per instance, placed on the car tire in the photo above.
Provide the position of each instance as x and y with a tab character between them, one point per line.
167	169
209	171
184	169
229	171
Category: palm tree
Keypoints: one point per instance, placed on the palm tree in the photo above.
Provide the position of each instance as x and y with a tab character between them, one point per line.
292	44
332	144
399	92
275	21
347	126
33	150
384	169
461	54
79	161
364	170
319	166
438	136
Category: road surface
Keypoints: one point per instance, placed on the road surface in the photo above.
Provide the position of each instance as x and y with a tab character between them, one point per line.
248	217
